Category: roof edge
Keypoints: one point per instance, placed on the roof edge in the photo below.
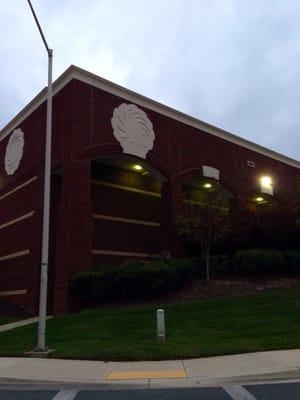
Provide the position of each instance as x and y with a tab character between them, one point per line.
74	72
57	85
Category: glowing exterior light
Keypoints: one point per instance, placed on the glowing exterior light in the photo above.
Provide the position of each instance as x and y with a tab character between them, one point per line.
266	185
137	167
266	182
207	185
259	199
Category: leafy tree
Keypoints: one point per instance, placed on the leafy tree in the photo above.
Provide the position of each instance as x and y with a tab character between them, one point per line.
204	223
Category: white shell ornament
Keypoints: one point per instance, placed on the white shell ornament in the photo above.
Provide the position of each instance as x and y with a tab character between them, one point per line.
133	129
14	151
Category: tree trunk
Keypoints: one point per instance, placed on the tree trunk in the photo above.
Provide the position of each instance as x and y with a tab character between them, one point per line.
207	266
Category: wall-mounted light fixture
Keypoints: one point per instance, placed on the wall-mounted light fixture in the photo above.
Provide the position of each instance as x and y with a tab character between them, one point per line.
259	199
207	185
266	185
137	167
266	181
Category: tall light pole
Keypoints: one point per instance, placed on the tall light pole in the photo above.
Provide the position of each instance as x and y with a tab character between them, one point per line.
41	340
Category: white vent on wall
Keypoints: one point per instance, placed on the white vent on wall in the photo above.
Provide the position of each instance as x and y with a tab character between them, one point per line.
251	164
210	172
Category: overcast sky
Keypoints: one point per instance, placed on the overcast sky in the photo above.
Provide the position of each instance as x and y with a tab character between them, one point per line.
232	63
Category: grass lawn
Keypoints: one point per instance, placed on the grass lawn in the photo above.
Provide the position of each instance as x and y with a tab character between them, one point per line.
212	327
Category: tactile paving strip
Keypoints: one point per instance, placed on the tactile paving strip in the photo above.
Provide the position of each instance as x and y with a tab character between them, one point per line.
159	374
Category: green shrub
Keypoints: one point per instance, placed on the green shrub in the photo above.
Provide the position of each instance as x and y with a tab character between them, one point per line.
219	264
292	261
186	268
93	285
139	279
133	280
103	267
258	262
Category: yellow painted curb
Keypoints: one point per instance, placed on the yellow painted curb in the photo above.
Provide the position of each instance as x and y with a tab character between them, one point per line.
162	374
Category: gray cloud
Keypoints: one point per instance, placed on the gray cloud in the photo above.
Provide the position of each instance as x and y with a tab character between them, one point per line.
234	64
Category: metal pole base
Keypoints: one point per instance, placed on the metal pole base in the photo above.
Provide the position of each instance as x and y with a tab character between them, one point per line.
161	338
38	353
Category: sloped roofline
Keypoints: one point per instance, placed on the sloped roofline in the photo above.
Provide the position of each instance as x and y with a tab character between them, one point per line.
74	72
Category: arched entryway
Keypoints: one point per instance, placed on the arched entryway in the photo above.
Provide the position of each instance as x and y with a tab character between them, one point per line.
207	192
195	186
126	197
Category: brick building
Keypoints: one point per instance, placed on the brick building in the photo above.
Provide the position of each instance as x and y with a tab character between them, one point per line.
121	166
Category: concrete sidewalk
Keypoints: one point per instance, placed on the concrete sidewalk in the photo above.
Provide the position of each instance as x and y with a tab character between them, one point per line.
283	364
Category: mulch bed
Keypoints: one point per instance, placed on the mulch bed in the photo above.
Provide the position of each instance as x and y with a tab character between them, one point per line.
200	289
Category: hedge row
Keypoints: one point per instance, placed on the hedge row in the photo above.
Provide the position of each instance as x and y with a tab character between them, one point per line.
254	262
265	262
141	280
134	280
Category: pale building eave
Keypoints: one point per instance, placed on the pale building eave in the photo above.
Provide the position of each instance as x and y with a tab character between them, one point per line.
82	75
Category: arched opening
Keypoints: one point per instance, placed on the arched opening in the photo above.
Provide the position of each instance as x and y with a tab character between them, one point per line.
126	195
268	221
195	189
210	194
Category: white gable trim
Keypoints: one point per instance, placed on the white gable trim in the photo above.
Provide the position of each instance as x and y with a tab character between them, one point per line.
74	72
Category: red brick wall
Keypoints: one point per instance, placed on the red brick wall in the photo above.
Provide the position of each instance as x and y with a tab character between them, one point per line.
23	272
177	147
82	132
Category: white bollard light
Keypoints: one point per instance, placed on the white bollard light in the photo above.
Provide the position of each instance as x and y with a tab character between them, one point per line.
160	325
